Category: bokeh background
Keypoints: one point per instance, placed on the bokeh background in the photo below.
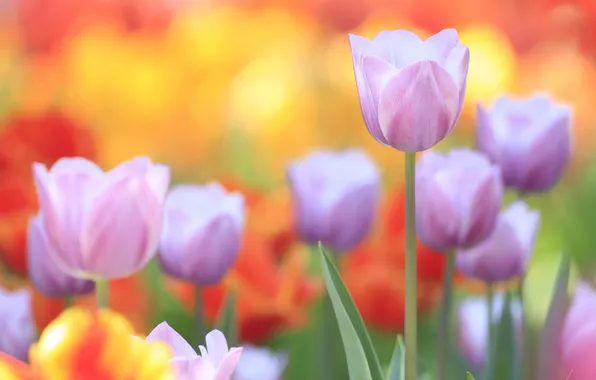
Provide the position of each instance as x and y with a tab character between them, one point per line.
231	90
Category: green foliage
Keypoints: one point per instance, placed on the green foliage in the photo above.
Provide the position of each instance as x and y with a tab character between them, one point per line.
397	366
504	347
227	320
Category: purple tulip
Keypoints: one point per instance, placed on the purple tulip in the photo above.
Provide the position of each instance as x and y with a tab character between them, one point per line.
216	362
202	233
44	273
530	139
507	251
335	197
259	363
17	329
472	329
102	224
458	198
411	91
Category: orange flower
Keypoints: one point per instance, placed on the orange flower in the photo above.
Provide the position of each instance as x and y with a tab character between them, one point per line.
84	345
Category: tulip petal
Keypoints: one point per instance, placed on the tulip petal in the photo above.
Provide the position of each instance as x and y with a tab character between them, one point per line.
486	140
441	44
418	107
359	44
164	333
457	64
228	365
399	47
217	347
158	178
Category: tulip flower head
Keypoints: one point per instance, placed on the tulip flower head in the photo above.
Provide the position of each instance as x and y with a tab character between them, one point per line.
507	251
259	363
216	361
530	139
411	91
458	199
102	224
335	197
17	329
202	233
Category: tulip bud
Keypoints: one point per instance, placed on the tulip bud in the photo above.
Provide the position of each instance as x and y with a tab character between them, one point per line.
473	334
335	197
44	273
260	364
529	139
507	251
202	233
458	198
102	224
578	338
18	328
411	91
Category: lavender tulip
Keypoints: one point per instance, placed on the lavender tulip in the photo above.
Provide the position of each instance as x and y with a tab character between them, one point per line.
458	198
202	233
47	277
102	224
507	251
335	197
216	362
16	323
260	364
530	139
411	91
473	331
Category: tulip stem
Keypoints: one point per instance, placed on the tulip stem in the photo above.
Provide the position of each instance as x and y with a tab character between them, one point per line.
200	325
68	301
411	275
326	336
445	317
521	368
490	299
102	291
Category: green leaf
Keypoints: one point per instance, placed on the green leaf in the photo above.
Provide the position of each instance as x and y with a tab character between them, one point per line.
503	352
548	363
397	367
469	376
227	321
362	360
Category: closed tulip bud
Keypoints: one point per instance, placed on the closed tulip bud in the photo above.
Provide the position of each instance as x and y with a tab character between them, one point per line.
411	91
335	197
102	224
18	328
472	321
202	233
260	364
507	251
578	338
45	275
458	198
529	139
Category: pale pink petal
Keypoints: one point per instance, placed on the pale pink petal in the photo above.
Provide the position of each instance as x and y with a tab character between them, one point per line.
217	346
164	333
228	366
399	47
441	44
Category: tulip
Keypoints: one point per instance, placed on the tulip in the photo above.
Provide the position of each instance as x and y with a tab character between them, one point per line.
260	364
458	198
102	224
216	361
578	338
44	273
507	251
411	91
335	197
473	332
18	330
529	138
202	233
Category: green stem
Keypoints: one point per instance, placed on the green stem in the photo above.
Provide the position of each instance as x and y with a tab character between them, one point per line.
326	354
520	365
490	298
102	291
411	276
68	302
200	325
445	317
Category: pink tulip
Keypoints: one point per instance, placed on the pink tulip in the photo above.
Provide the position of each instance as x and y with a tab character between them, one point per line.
102	224
411	91
216	361
17	329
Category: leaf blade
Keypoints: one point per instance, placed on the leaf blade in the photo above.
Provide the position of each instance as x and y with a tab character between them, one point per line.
396	369
227	320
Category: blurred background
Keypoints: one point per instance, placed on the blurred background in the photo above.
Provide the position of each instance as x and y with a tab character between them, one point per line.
231	90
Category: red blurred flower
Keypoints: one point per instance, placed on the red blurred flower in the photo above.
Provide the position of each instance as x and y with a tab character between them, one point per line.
25	140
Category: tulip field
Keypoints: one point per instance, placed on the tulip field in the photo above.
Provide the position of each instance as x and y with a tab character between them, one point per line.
291	190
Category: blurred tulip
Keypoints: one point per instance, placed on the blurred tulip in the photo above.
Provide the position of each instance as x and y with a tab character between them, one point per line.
102	224
411	91
147	15
259	363
458	198
216	362
342	15
578	339
473	326
530	139
16	321
202	234
44	273
335	195
507	251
